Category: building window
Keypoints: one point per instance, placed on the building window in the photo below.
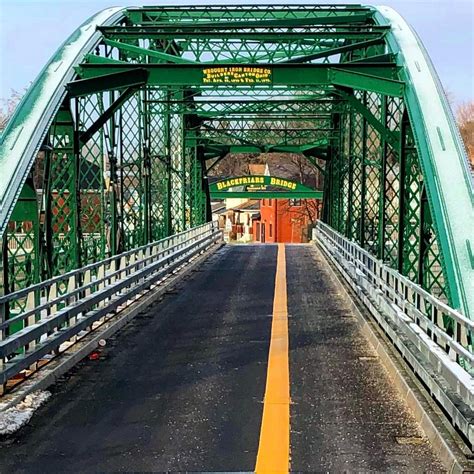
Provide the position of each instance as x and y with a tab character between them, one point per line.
270	231
269	202
295	202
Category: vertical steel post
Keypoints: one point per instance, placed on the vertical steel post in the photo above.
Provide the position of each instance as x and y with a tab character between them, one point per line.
382	184
363	191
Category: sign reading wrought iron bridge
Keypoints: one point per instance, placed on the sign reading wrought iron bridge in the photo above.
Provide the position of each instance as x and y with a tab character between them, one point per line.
261	186
237	75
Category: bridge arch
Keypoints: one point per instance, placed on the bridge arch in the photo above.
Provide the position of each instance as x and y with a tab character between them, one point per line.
139	102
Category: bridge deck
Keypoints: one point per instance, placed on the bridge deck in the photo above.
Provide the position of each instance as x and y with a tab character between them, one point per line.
182	386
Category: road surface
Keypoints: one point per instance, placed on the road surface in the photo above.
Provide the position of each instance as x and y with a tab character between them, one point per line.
185	385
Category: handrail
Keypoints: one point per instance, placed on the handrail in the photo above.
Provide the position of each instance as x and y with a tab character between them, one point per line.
60	309
375	269
436	340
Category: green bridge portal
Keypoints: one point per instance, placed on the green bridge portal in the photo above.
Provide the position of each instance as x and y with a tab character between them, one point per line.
110	148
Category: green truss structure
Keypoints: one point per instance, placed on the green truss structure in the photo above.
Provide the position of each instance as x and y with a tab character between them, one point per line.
110	147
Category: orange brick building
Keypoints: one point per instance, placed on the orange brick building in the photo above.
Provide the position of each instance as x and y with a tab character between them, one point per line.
285	220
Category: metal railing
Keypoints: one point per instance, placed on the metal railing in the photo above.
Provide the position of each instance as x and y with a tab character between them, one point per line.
42	320
436	340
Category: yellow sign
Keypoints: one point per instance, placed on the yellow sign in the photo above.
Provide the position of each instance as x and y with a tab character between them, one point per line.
283	183
237	75
240	181
255	182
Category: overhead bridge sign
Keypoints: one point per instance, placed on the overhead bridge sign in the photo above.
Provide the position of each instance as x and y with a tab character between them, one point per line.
237	75
255	180
261	187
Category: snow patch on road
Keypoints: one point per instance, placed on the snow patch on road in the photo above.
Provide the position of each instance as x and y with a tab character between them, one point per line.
12	419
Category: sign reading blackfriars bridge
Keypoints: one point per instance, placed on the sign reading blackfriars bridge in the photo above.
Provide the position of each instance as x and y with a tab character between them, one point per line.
254	180
261	186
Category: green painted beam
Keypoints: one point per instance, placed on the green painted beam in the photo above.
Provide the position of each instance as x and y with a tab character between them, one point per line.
198	12
338	50
267	194
365	76
378	58
270	23
260	148
108	82
151	32
136	50
94	59
271	57
262	115
366	82
318	143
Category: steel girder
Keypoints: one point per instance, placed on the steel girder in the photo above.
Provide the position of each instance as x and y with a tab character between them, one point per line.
153	93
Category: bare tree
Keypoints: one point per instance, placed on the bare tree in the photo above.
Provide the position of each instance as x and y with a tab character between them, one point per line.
465	119
8	107
308	210
235	164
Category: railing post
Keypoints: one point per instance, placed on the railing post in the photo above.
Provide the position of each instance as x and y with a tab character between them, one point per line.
30	304
3	316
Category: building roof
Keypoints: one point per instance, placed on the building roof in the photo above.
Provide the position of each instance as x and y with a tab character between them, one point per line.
250	205
257	169
218	207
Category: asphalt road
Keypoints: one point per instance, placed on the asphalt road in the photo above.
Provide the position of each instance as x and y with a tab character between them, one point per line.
181	388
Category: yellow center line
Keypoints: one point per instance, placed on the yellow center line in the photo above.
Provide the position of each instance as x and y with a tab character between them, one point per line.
274	446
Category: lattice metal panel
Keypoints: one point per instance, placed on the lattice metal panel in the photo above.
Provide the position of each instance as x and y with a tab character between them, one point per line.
198	196
62	198
130	164
275	131
345	151
372	163
23	261
433	275
91	183
178	217
410	210
356	164
158	133
391	168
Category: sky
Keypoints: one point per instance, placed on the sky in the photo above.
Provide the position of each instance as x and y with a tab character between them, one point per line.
32	30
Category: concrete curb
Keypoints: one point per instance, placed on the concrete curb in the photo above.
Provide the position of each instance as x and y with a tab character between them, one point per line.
445	441
48	375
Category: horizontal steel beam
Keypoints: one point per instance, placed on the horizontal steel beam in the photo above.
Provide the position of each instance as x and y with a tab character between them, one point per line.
218	147
366	82
108	81
137	51
337	50
268	9
149	32
267	194
357	19
281	74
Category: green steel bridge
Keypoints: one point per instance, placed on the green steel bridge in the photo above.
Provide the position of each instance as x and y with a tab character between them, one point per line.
104	166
